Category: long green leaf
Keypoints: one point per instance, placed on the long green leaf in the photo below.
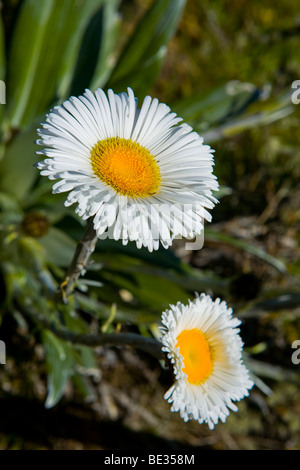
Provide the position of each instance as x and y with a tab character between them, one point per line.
45	43
2	51
60	361
96	46
262	113
155	292
2	70
84	47
181	276
25	56
255	120
17	172
246	246
107	53
142	57
204	109
59	247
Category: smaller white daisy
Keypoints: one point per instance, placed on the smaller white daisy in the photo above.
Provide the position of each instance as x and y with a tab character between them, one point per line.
202	342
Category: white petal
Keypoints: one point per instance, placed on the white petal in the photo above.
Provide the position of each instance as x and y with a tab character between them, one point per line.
72	129
229	380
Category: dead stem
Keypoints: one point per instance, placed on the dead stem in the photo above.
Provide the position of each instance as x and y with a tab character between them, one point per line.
80	261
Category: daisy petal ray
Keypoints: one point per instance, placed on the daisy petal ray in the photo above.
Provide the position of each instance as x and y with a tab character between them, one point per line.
203	344
140	173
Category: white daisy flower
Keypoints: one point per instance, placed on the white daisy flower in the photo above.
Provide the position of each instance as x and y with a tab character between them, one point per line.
141	176
202	341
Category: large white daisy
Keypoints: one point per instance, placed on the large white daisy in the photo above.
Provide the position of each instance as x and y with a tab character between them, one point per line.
141	176
202	342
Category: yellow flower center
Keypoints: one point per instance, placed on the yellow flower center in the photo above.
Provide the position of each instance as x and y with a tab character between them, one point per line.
126	166
196	353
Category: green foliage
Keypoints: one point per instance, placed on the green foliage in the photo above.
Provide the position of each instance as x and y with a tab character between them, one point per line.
60	361
36	70
66	47
2	51
17	173
2	65
56	48
142	57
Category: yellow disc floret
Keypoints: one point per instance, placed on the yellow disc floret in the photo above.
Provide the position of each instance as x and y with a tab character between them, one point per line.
126	166
196	353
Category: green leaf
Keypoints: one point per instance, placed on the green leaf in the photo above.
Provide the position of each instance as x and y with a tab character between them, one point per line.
218	105
17	173
44	47
113	251
2	70
246	246
2	51
59	247
141	59
107	54
25	62
232	109
155	292
99	310
181	275
84	386
273	372
153	285
263	114
86	358
255	120
9	207
97	47
15	279
60	363
80	19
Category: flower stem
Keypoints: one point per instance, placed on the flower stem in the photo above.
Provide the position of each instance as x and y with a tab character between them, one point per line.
80	261
128	339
